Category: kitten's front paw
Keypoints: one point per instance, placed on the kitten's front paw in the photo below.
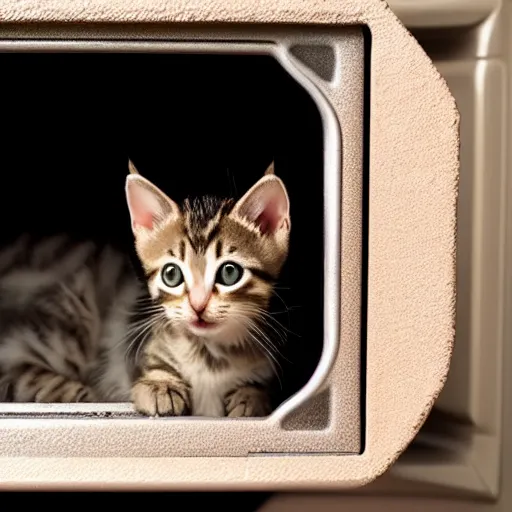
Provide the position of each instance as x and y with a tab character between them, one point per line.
158	398
246	402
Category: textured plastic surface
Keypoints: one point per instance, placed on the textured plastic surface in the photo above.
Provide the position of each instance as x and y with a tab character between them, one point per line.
413	170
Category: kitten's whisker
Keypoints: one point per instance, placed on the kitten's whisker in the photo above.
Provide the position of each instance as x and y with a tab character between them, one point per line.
140	323
267	339
271	321
137	330
270	343
144	295
271	358
268	316
274	292
147	310
141	307
264	338
281	337
146	302
139	340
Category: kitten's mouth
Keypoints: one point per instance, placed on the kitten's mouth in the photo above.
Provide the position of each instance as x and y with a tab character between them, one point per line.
203	324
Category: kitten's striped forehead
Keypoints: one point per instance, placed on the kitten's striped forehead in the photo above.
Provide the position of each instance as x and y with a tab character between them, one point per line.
201	220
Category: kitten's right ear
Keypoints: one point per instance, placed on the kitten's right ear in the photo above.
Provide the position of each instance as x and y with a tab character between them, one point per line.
270	169
266	205
147	204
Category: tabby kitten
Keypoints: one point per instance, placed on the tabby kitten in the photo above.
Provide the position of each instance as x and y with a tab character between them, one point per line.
210	265
65	311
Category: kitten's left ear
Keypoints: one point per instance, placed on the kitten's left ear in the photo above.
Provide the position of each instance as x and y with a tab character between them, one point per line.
266	205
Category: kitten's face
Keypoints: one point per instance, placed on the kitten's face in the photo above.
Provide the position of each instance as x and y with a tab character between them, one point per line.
211	263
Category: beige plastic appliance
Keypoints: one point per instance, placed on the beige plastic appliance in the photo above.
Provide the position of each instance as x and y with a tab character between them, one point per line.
461	460
390	177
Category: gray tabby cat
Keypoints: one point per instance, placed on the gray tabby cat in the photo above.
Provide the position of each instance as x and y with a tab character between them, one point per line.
65	309
202	348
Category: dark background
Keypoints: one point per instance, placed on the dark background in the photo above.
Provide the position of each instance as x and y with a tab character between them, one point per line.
192	124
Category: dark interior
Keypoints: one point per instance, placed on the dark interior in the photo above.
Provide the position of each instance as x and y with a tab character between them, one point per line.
193	124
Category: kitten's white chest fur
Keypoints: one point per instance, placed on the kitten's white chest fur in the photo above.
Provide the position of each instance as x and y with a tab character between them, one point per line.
210	386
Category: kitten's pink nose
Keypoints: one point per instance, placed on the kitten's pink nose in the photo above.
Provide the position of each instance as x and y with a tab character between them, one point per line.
198	298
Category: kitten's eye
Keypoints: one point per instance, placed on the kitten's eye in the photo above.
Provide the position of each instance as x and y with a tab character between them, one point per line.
172	275
229	274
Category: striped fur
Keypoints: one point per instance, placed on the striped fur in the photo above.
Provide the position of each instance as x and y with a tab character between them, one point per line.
64	313
210	351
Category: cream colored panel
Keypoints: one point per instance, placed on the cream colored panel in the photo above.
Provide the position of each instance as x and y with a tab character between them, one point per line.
473	387
439	13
